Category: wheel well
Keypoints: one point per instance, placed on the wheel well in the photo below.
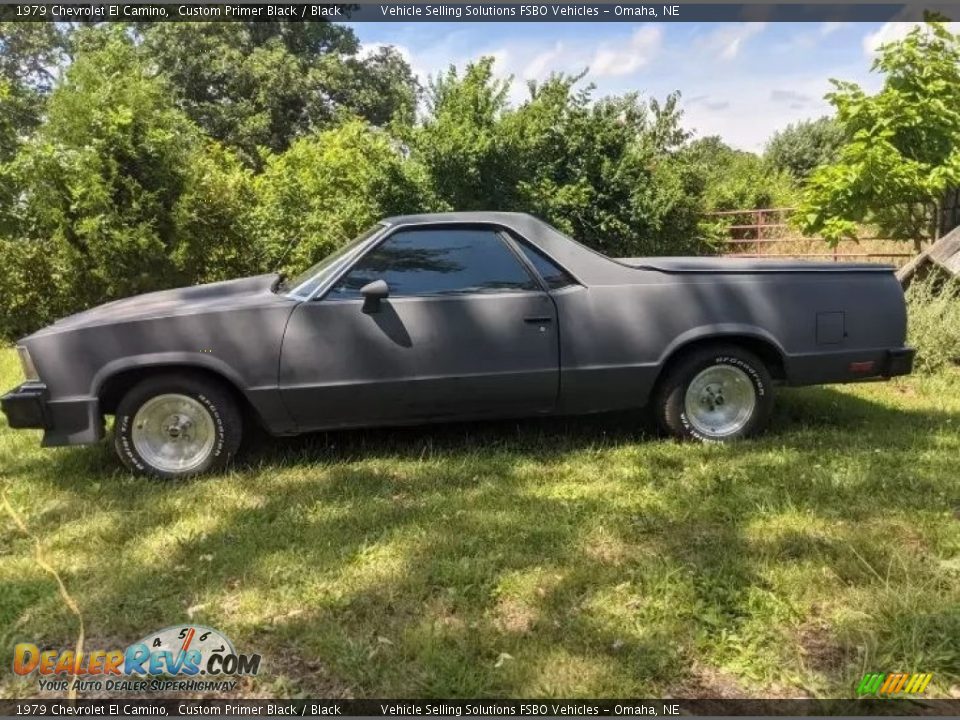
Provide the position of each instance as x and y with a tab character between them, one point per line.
766	351
111	392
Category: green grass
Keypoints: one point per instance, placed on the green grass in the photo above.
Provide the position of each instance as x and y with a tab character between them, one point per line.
580	557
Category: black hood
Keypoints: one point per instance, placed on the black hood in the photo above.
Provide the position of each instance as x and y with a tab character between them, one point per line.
197	298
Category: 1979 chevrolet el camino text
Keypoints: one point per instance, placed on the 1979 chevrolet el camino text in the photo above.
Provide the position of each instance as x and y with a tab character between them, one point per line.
455	316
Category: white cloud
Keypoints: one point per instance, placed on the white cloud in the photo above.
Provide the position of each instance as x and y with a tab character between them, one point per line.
794	99
643	45
536	59
744	104
543	63
726	42
368	49
606	57
746	113
893	31
888	33
829	28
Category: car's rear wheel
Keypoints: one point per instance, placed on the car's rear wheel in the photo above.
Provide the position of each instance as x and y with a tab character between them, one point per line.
177	425
715	394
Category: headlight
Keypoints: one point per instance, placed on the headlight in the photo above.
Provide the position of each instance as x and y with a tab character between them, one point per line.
26	362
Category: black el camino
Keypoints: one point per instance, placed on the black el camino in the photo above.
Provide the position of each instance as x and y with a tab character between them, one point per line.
454	316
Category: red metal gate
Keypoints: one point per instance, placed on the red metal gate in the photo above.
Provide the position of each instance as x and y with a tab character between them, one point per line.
767	232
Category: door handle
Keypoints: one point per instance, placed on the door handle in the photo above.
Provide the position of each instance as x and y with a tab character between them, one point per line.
538	320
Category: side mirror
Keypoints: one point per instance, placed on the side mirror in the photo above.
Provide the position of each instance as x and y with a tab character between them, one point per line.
373	293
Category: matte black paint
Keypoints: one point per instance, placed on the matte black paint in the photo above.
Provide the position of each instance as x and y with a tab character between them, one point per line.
597	345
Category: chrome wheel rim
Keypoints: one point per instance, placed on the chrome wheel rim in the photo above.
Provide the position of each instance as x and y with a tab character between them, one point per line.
173	433
720	401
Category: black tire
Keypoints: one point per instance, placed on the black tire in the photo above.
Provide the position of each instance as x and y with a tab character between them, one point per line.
669	399
222	412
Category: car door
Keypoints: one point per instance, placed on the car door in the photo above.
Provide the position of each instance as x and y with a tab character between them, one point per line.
466	331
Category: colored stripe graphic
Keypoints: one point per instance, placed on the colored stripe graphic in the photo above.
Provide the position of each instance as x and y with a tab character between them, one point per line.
900	681
870	683
891	679
188	640
894	683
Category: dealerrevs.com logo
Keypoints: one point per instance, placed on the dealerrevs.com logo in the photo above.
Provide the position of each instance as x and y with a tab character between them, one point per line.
188	658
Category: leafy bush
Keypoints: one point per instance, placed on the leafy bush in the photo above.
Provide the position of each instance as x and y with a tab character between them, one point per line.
933	307
214	238
607	171
118	193
461	143
32	279
736	179
102	176
800	148
152	169
326	189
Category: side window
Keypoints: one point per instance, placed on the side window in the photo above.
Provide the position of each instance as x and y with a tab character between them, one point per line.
438	262
552	274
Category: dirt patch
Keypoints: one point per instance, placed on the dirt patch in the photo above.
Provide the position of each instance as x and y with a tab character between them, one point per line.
443	618
906	390
606	549
515	616
706	682
309	678
709	682
820	649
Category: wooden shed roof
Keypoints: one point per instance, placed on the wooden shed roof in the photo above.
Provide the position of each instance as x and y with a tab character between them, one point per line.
944	253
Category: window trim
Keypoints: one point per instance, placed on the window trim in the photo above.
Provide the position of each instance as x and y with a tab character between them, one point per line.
321	294
517	242
343	262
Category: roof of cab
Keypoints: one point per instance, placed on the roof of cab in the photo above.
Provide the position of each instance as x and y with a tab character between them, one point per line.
502	218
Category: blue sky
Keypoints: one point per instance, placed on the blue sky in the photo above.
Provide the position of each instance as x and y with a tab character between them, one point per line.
742	81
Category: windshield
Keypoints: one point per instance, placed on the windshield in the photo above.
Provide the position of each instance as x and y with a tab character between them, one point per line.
310	279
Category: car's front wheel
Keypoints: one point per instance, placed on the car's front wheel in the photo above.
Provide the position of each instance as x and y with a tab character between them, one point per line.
177	425
715	394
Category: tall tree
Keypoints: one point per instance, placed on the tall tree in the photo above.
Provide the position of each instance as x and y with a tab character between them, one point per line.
460	141
262	84
379	87
902	148
106	175
30	54
605	171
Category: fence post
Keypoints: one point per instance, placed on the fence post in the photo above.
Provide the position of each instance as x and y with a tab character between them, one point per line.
759	221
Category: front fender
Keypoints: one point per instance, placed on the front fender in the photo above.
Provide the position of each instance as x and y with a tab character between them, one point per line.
158	359
264	400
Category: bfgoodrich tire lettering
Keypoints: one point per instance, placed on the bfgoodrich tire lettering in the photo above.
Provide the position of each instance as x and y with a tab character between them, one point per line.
715	394
182	404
